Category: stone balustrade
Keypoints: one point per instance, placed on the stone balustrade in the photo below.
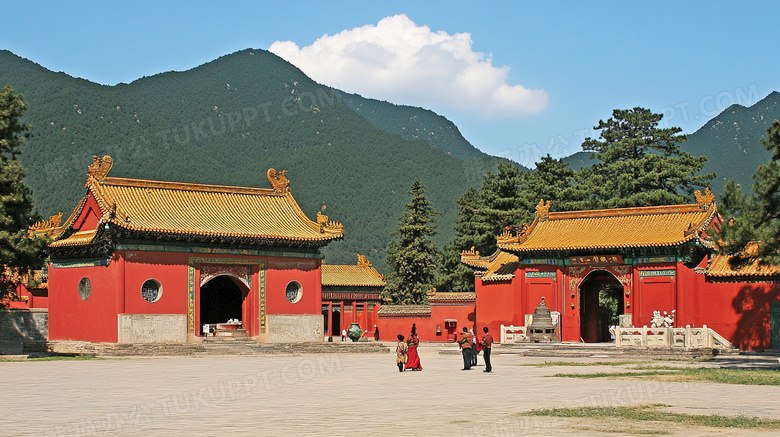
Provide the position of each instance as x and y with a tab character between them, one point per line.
683	338
512	334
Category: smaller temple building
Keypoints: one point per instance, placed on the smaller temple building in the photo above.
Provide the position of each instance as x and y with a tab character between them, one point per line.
141	261
351	294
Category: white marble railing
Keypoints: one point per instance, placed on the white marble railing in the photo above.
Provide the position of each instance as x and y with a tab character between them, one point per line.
686	338
512	334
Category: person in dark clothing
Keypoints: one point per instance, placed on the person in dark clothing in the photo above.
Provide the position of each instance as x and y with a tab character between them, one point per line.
487	345
465	347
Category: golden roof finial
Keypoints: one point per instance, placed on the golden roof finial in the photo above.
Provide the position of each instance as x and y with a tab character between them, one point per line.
322	219
45	226
704	200
99	167
362	261
543	209
278	180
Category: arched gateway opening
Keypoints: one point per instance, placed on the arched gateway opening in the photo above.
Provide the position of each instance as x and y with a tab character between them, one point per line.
601	304
221	299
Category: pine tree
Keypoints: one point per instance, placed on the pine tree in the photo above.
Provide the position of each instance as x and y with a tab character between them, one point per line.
506	198
412	258
17	251
553	180
640	164
752	223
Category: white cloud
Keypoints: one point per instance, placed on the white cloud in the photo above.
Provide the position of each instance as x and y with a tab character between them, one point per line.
398	61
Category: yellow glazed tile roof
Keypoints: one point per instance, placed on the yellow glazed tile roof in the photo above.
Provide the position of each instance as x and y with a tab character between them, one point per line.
501	268
719	267
216	211
452	297
471	258
77	239
404	311
611	228
360	275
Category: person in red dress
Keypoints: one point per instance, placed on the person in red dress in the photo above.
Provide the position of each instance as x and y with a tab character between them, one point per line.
412	357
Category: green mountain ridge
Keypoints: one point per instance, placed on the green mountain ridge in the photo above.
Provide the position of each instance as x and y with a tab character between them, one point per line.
730	141
229	120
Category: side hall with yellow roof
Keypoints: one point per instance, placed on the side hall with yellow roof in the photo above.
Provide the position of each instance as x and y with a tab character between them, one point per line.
141	261
642	260
351	294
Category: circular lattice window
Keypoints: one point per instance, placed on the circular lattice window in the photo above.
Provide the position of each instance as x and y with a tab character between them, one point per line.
85	288
151	291
294	292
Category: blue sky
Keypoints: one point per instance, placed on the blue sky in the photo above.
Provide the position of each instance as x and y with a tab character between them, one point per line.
520	79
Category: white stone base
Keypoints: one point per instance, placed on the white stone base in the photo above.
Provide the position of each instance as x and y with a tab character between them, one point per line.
291	328
152	328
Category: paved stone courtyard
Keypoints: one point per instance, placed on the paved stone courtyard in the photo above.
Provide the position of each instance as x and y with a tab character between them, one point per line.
339	395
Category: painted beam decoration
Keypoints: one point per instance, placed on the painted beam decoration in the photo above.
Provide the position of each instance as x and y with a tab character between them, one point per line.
656	273
595	260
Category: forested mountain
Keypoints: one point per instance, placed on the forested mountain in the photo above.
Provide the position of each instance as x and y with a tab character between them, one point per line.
730	141
228	121
414	124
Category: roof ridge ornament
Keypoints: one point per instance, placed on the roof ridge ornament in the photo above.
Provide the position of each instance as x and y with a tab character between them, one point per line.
99	168
278	180
322	219
46	226
362	261
471	253
365	263
704	200
543	209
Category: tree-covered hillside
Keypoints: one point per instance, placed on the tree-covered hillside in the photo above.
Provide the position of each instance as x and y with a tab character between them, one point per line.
414	124
226	122
731	141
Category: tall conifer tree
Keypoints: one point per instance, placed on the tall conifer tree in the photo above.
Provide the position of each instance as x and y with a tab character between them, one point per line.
752	227
412	257
640	164
17	251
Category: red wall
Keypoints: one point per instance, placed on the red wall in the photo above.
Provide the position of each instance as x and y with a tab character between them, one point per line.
390	327
279	272
169	269
738	311
71	318
498	303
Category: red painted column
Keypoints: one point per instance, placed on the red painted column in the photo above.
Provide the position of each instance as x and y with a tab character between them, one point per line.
365	316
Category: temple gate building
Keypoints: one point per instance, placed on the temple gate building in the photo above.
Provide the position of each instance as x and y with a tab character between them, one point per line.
640	260
142	261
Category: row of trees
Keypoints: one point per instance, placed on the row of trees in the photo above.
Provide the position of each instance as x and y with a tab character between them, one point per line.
639	164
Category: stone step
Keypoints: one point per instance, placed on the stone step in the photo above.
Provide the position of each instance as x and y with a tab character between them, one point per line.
230	333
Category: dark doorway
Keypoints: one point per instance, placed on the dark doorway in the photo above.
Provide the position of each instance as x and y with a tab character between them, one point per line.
221	300
336	322
601	304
